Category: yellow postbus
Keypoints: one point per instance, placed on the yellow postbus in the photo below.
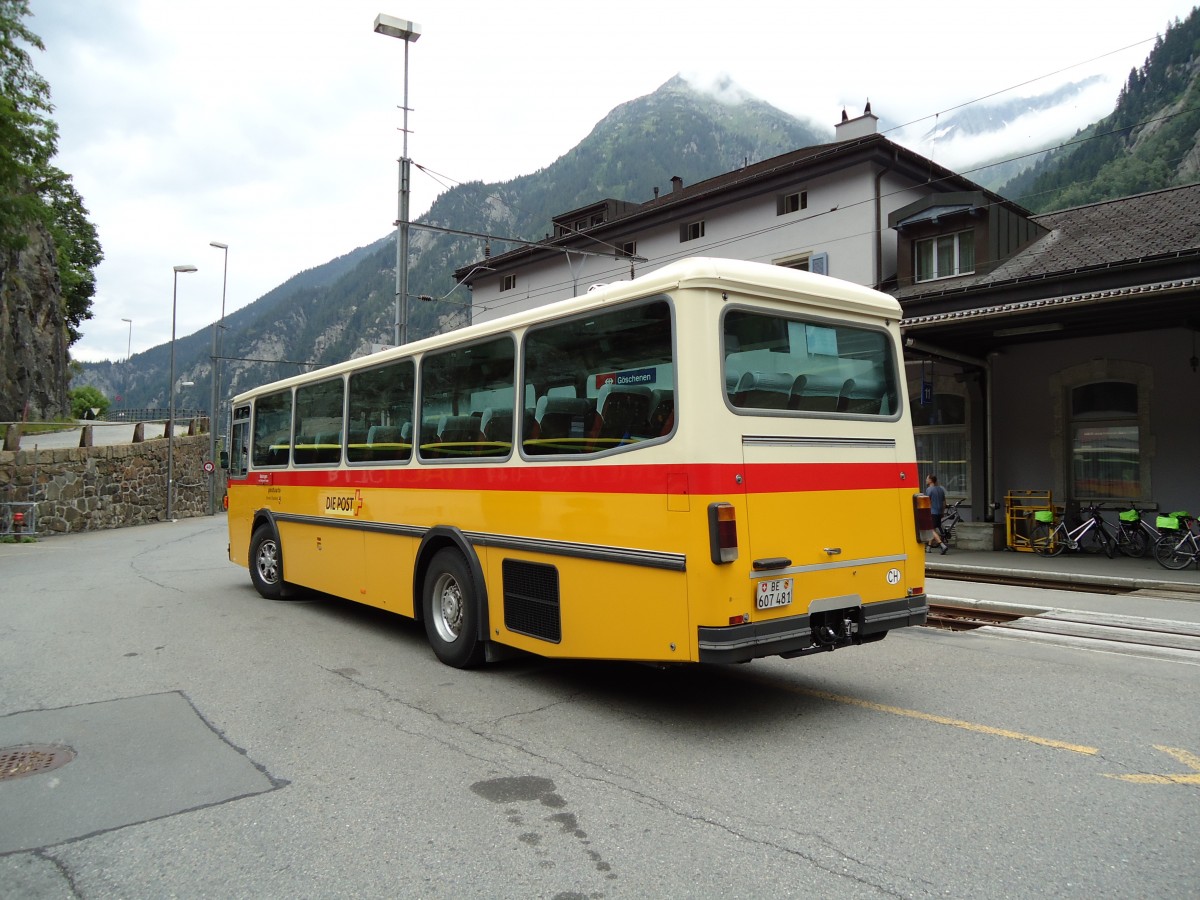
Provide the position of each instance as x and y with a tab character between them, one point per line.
711	463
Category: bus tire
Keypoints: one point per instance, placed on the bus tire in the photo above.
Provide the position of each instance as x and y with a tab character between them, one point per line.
451	610
266	563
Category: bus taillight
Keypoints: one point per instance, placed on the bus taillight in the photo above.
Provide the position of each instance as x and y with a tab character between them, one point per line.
722	532
924	518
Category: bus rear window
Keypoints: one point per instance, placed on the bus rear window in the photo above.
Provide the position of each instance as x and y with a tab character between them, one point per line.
777	363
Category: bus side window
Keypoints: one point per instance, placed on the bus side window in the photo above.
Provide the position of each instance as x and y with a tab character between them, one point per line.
271	440
380	403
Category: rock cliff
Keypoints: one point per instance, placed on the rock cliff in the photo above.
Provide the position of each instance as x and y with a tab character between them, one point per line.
33	339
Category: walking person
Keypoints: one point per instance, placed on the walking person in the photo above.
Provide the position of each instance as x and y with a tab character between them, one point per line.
937	506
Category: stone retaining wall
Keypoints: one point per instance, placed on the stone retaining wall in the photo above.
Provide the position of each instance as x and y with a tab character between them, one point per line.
93	488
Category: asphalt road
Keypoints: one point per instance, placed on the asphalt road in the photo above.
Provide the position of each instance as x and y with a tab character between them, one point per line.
228	746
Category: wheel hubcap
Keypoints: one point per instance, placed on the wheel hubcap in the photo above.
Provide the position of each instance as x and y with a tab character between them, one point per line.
268	562
447	608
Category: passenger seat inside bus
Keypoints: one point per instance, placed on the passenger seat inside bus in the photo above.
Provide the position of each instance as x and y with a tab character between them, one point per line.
328	447
662	418
496	425
562	417
457	429
861	396
384	434
763	390
815	393
622	412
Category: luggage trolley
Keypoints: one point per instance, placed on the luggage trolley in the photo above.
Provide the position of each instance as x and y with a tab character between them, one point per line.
1019	509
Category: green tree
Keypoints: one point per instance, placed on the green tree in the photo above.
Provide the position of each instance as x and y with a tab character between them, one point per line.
86	398
32	191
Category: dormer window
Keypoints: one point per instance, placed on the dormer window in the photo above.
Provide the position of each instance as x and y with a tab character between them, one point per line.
944	256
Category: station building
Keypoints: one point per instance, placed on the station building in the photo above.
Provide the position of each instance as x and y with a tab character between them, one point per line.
1048	355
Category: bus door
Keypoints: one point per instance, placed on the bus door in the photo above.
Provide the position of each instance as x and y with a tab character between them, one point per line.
825	529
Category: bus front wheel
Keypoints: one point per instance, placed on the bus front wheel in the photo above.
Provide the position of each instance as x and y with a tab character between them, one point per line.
451	611
266	563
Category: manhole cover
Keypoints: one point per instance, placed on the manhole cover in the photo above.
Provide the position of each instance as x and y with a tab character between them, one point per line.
16	762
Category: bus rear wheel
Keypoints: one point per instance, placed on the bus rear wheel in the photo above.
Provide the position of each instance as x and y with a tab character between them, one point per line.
266	563
451	611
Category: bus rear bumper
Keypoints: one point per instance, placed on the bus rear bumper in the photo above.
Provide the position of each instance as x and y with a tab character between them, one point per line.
802	635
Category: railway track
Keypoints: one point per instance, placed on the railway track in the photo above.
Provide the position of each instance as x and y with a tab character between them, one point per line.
965	618
1177	641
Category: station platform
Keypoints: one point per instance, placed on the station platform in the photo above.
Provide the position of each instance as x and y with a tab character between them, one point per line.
1118	592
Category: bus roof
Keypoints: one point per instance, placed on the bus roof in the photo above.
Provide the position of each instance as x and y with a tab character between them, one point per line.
759	279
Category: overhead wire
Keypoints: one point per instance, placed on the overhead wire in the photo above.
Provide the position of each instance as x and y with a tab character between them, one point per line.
555	288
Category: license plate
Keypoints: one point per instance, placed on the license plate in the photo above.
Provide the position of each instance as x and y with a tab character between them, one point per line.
773	592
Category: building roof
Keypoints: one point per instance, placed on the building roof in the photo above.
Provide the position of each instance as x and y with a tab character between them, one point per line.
756	178
1119	266
1147	227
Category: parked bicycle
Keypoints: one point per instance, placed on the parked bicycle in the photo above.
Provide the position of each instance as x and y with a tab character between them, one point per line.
1179	545
950	517
1135	536
1092	535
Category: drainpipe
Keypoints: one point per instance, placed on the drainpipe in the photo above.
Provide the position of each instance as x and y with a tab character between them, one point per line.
879	229
991	479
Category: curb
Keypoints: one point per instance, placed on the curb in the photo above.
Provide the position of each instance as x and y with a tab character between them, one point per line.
1124	583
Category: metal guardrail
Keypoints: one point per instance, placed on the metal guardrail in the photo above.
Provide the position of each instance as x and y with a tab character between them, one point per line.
151	414
18	519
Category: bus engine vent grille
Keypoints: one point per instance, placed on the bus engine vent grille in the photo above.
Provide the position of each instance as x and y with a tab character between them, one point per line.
531	600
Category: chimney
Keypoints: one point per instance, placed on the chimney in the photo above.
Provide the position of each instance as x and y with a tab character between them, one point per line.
676	183
848	129
656	192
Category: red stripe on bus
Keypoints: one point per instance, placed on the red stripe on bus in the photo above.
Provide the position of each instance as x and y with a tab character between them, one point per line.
765	478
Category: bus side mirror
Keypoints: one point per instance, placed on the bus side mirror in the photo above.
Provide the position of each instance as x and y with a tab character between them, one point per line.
224	459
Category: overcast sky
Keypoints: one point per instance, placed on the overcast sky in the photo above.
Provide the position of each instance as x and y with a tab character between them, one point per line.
273	125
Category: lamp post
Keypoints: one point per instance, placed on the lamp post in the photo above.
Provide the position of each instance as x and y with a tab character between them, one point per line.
171	412
408	32
216	387
128	356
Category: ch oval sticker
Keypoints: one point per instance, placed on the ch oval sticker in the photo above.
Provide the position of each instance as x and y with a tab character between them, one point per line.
893	576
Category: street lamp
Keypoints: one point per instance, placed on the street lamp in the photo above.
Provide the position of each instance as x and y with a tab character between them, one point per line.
128	356
216	386
408	32
171	412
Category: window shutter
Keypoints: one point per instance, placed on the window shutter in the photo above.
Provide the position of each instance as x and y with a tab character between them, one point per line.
818	263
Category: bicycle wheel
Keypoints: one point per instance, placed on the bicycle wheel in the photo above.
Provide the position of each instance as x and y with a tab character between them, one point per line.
1107	542
1046	540
1175	553
1135	543
1096	540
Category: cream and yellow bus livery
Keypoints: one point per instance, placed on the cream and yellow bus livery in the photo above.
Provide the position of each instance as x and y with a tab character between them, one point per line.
711	463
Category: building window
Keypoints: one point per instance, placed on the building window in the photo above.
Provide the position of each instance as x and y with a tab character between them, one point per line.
629	248
940	430
1105	441
945	256
818	263
790	203
691	231
508	282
